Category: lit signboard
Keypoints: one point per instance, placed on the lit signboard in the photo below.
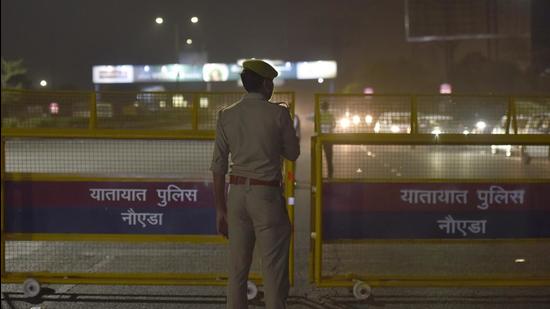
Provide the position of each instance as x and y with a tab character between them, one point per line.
111	74
209	72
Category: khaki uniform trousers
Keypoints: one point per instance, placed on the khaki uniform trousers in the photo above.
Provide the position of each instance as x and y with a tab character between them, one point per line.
257	215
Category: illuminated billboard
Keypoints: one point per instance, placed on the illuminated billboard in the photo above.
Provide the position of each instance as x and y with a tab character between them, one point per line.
209	72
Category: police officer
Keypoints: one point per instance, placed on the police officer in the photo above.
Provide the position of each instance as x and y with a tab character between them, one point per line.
327	126
258	134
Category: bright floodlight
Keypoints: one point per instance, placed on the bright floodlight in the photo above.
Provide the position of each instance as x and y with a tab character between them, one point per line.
344	122
189	41
320	80
43	83
481	125
194	19
159	20
368	119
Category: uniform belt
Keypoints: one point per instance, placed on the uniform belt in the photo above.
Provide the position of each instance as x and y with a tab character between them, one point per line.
239	180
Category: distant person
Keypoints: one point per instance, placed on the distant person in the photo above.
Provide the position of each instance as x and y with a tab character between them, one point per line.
327	125
297	127
258	135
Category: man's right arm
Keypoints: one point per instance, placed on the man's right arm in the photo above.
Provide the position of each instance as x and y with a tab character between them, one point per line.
219	170
291	144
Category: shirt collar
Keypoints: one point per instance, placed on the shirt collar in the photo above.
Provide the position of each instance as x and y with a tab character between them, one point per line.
253	96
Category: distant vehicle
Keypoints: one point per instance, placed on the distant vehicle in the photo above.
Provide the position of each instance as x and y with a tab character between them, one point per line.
393	122
355	122
297	126
538	124
435	123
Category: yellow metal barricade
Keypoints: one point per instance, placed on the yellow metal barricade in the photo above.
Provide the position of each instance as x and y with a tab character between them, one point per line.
430	190
114	188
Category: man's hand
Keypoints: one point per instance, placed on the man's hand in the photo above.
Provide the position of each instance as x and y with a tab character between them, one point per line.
221	223
220	203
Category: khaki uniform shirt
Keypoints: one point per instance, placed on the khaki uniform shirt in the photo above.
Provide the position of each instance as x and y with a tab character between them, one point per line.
258	134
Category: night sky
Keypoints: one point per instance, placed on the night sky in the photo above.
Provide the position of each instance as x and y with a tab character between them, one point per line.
60	40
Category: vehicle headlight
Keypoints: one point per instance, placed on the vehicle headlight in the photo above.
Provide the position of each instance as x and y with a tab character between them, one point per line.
368	119
436	131
481	125
344	122
356	120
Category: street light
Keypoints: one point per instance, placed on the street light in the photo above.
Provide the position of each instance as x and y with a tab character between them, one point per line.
159	20
194	19
43	83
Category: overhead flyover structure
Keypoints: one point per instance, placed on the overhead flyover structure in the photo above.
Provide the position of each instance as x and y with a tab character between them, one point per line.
424	193
113	188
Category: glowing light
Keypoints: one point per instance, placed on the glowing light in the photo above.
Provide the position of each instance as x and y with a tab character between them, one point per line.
344	122
465	132
356	120
164	69
394	129
436	131
203	102
377	127
189	41
520	260
368	90
54	108
481	125
146	68
445	88
179	101
320	80
194	19
43	83
368	119
159	20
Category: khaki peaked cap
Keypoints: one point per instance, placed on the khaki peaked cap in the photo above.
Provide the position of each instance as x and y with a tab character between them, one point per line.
261	68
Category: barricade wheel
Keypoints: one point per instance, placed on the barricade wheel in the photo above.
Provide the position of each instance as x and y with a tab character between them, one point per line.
361	290
251	290
31	287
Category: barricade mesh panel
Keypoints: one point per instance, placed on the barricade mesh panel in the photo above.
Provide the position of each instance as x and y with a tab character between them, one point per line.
533	115
26	109
111	257
382	164
402	259
394	162
174	159
184	159
144	110
181	159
